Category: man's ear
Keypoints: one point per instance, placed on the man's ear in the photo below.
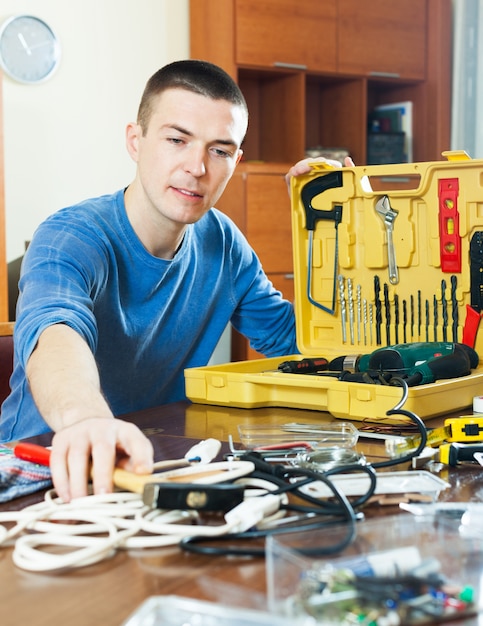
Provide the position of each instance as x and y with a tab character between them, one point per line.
240	154
132	140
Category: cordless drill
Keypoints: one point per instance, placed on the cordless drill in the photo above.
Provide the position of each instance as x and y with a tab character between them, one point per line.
419	363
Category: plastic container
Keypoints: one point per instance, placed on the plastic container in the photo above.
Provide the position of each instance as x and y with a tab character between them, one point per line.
438	213
342	435
301	583
180	611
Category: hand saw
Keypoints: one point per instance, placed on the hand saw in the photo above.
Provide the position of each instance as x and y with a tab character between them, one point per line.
310	190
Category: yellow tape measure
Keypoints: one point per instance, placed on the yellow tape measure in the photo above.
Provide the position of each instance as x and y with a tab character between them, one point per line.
464	429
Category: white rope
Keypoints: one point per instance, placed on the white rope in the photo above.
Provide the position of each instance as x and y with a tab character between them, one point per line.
52	535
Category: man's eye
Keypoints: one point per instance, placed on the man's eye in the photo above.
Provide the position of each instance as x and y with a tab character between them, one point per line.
222	153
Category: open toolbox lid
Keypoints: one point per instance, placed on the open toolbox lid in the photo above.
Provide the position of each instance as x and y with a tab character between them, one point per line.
342	254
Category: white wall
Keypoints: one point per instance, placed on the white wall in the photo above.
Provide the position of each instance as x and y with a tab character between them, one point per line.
64	139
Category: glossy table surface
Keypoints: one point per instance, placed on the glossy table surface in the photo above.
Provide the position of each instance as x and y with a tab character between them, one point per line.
108	592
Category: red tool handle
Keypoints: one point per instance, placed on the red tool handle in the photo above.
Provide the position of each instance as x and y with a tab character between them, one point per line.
470	329
33	453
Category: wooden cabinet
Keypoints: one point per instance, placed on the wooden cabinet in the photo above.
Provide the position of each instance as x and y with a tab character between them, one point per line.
381	38
311	72
285	33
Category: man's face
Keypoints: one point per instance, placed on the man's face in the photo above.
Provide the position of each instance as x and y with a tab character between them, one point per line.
188	154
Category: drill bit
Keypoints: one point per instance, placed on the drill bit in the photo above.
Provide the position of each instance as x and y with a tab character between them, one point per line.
411	305
371	321
350	300
454	308
435	317
405	320
419	313
377	303
396	317
343	315
364	308
427	319
359	312
387	308
444	310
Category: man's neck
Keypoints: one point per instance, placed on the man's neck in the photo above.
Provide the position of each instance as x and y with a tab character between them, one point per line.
161	237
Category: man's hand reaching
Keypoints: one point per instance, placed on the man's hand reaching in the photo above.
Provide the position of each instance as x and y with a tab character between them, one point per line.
92	448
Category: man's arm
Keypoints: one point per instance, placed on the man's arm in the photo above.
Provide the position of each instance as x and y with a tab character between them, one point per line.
64	381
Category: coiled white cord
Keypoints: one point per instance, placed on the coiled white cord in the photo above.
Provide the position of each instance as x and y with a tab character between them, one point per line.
52	535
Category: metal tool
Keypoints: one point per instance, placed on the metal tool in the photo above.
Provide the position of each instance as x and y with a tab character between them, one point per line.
396	317
350	301
371	321
312	215
435	318
359	312
444	310
419	313
411	306
405	320
454	308
343	311
388	215
364	308
387	309
378	306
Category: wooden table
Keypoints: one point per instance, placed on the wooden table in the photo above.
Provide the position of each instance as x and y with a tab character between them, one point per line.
107	593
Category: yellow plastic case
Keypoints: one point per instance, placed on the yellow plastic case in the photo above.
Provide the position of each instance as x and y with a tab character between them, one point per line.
343	242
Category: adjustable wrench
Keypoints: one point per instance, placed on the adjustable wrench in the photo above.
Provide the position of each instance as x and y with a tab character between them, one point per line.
388	215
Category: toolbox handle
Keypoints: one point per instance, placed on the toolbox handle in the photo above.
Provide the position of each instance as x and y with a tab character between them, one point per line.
395	177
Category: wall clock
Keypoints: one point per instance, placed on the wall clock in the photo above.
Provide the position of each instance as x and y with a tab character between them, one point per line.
29	49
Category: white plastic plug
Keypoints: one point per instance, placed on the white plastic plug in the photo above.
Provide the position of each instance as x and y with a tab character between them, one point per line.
251	511
204	451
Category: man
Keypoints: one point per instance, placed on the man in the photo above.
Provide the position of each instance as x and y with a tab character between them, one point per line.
119	294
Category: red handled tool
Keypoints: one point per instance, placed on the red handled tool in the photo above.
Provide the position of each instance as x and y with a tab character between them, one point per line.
475	309
304	366
33	453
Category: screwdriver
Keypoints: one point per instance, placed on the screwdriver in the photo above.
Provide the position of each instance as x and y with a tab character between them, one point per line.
304	366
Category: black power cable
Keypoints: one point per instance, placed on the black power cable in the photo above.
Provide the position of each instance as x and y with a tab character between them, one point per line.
291	480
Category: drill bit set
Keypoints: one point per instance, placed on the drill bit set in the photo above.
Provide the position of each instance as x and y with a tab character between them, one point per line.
383	318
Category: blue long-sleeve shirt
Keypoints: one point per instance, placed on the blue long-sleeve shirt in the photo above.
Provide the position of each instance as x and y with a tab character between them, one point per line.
145	319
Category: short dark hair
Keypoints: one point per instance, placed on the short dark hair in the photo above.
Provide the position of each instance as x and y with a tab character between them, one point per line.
197	76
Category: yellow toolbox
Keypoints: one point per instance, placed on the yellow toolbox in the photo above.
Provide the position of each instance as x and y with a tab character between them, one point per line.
383	256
